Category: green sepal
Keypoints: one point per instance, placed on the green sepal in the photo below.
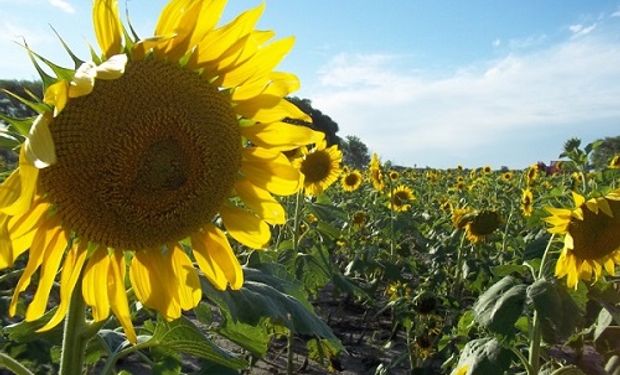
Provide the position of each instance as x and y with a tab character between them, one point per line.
94	56
37	107
76	60
18	125
45	78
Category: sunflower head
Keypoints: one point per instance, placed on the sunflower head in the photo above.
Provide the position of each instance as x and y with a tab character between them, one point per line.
482	224
486	169
614	163
320	168
507	176
359	219
425	303
461	216
351	180
531	174
145	147
400	199
527	202
394	175
591	237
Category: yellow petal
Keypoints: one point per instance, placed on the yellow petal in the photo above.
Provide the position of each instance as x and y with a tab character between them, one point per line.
28	175
71	269
603	205
39	145
270	170
83	80
179	18
107	26
45	240
154	282
261	202
188	289
592	206
21	225
112	68
208	16
281	136
214	249
52	257
118	294
94	284
259	65
10	189
569	243
245	227
216	42
610	267
270	108
276	83
57	95
578	198
6	246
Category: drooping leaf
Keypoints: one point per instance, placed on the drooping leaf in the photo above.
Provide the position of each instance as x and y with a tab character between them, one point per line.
485	356
501	305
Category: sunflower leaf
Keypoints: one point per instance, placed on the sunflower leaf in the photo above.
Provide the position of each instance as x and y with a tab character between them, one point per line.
501	305
485	356
183	336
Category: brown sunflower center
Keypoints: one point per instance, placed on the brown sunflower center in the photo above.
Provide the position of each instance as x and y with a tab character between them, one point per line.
400	198
316	166
351	179
598	235
484	223
145	159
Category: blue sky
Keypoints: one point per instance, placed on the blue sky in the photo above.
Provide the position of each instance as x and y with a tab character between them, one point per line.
435	83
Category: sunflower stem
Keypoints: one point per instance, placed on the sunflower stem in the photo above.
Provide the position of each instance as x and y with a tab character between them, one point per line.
459	265
289	353
296	220
13	365
74	340
535	339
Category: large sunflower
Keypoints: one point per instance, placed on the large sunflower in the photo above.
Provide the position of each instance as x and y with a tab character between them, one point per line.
143	148
351	181
320	167
591	237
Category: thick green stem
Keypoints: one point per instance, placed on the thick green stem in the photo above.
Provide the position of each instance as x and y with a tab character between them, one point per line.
535	338
12	365
458	274
295	238
73	340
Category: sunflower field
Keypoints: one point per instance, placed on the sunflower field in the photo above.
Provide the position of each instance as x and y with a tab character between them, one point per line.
166	209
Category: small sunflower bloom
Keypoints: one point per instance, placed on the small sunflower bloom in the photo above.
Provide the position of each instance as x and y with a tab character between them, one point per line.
614	163
481	224
351	180
359	219
527	202
394	175
400	199
134	157
591	237
320	167
507	176
375	173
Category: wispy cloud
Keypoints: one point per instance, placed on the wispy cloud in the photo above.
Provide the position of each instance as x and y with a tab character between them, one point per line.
494	106
63	5
616	13
579	30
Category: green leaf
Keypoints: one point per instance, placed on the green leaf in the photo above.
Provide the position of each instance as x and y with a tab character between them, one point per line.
508	269
264	296
536	248
613	365
465	323
558	313
327	212
501	305
485	357
252	338
21	126
183	336
602	322
323	352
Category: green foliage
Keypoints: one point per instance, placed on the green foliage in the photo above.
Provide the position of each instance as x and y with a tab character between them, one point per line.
500	306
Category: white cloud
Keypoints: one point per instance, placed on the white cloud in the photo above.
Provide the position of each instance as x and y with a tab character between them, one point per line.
497	42
581	30
63	5
412	117
616	13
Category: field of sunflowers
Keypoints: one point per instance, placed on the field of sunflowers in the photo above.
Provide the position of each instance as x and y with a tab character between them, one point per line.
165	208
391	270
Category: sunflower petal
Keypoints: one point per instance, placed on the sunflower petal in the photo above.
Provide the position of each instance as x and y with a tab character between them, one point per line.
221	253
270	108
154	282
71	269
281	136
107	25
245	227
118	294
212	270
112	68
57	95
28	175
261	202
94	284
270	170
189	291
39	144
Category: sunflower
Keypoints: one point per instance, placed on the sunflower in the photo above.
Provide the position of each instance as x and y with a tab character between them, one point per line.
527	202
507	176
614	163
393	175
146	159
461	370
400	199
460	216
591	237
375	173
351	181
487	169
320	167
481	224
359	219
531	174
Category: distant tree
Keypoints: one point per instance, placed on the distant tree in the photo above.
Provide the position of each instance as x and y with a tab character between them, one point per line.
605	151
320	121
355	152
